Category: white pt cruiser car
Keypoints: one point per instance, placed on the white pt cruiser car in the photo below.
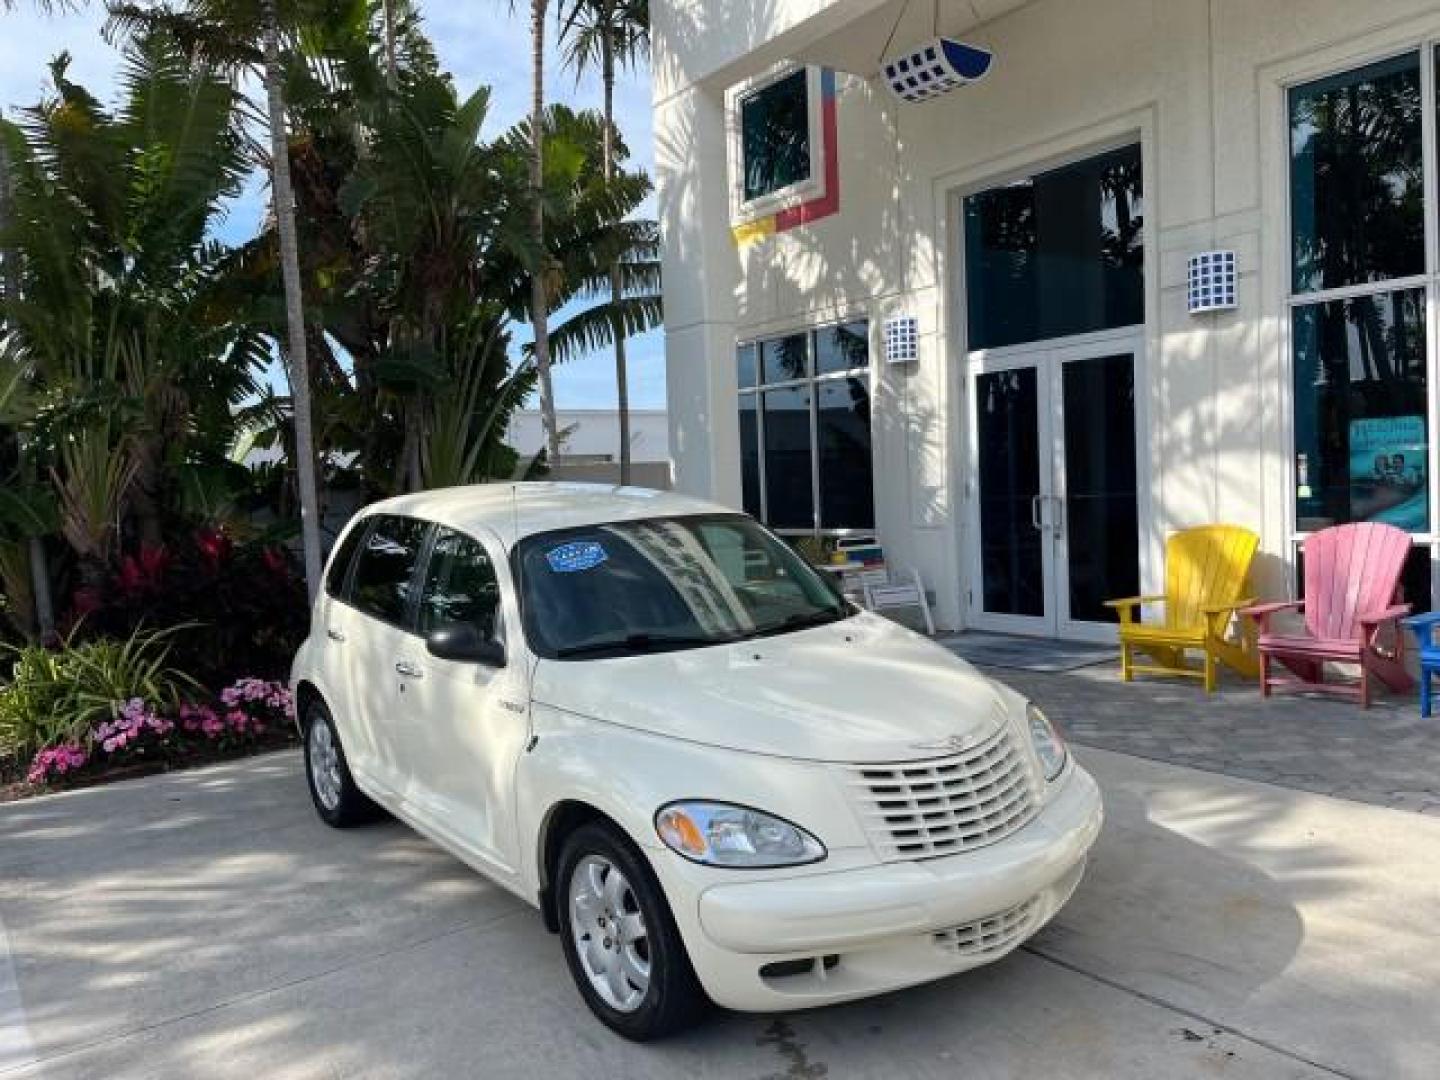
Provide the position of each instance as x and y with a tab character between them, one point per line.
647	716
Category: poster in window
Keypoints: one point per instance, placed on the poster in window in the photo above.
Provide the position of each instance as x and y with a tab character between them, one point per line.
1388	458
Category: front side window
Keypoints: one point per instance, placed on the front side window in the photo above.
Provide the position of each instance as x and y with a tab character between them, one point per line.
1058	253
664	584
382	585
460	586
805	436
775	136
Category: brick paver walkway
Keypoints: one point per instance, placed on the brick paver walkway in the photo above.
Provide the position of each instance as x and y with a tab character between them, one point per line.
1386	755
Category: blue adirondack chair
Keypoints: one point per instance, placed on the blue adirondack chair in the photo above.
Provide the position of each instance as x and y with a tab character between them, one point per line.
1423	627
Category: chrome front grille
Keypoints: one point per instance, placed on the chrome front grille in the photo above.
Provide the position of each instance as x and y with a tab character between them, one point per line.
925	809
989	936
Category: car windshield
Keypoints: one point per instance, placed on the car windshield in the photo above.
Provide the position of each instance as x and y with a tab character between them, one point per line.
662	584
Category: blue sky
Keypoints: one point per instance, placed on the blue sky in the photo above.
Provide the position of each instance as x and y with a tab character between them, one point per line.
479	42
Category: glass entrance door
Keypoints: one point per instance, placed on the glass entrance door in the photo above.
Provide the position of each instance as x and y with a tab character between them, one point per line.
1055	522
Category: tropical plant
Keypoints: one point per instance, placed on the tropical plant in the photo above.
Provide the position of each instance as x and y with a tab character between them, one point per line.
95	477
465	425
30	716
541	299
421	255
609	34
58	696
595	239
121	315
242	36
244	604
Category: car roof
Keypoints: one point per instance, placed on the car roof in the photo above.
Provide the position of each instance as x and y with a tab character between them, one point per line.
517	510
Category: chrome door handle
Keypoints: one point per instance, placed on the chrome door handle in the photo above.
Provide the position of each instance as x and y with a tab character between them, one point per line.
1035	513
334	635
409	670
1058	524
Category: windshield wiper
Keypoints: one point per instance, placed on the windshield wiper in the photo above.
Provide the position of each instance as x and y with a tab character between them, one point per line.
638	643
801	621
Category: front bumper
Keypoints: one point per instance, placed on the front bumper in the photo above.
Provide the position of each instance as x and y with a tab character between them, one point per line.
883	927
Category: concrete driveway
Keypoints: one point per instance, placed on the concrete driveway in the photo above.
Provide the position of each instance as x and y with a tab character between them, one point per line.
207	925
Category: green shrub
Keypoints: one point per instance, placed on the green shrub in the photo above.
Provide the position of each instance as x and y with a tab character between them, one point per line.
31	715
59	696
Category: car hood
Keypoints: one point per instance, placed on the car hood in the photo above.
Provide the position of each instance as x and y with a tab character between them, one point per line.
860	690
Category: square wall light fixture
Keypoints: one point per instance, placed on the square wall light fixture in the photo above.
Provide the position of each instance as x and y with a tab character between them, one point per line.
1212	282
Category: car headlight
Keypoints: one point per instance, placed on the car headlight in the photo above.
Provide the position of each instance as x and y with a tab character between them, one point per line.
718	834
1049	747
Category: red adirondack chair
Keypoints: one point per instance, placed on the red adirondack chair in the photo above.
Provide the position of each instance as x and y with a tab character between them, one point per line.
1352	590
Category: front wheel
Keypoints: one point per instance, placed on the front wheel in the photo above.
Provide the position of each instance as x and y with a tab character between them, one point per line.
337	800
620	939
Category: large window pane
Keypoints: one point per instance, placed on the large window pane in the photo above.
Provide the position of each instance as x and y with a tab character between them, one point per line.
750	454
382	585
842	348
847	498
1361	437
784	359
1356	177
747	366
1011	547
789	484
1101	510
775	136
1056	254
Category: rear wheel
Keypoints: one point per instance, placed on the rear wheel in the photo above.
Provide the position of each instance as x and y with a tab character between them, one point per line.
620	939
337	800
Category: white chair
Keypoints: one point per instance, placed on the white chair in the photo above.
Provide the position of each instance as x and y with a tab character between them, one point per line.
885	590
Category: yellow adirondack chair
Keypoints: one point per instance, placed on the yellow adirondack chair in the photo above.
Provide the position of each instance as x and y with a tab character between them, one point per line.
1205	577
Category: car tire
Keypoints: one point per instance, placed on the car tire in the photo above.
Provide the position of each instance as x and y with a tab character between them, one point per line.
632	932
337	800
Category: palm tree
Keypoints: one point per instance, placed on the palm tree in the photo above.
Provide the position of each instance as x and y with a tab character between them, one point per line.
540	298
226	33
610	33
284	200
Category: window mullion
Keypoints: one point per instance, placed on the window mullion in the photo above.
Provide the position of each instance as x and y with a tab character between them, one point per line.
1364	288
760	454
814	431
1431	196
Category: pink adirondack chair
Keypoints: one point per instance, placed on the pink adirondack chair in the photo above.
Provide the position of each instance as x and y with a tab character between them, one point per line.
1352	585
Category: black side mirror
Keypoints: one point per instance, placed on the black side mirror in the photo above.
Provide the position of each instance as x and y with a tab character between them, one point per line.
465	644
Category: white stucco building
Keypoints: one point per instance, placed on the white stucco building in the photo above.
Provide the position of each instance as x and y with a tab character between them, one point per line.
590	444
1065	409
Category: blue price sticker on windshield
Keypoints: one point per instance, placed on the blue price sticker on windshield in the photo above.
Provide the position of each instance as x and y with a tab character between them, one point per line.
573	558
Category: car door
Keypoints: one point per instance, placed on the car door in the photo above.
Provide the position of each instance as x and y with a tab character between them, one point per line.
383	586
471	719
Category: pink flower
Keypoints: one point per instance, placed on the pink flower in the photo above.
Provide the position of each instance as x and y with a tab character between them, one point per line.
55	761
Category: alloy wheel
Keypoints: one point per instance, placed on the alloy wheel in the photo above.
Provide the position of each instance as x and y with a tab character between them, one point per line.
324	764
608	927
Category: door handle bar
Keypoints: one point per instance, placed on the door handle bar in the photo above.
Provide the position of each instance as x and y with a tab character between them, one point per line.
409	670
335	635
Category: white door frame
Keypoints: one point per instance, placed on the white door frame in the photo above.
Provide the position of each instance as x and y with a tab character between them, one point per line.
1049	358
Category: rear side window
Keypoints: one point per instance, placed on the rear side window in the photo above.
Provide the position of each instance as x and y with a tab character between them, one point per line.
340	564
460	585
385	570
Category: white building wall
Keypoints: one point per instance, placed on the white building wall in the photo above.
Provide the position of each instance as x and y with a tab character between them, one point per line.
1201	81
594	433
